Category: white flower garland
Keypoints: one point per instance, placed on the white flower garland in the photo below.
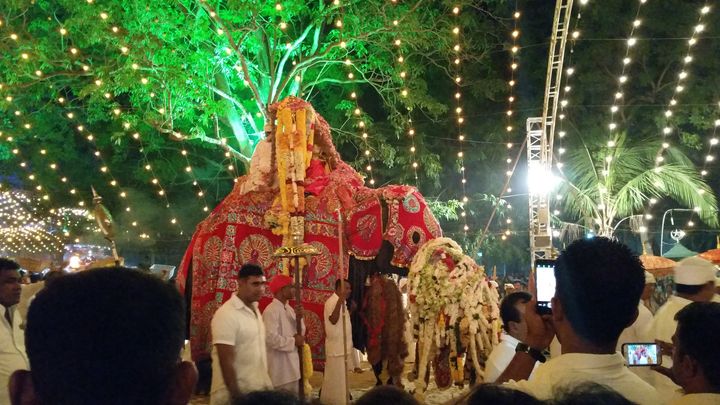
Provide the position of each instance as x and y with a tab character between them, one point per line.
445	284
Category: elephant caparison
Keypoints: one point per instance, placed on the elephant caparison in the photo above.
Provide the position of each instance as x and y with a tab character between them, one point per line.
241	229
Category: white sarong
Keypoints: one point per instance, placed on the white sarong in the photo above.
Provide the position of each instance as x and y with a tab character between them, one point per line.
334	391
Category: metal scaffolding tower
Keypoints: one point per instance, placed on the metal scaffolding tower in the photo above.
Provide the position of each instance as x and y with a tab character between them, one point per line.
541	133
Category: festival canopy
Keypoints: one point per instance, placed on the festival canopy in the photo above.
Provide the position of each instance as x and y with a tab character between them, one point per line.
712	255
679	252
658	266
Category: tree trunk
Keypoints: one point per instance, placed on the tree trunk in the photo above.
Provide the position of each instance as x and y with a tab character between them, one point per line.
235	119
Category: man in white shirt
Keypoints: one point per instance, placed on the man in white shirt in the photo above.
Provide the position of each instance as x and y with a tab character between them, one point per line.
694	282
512	313
281	336
696	355
637	332
12	337
598	286
337	344
239	354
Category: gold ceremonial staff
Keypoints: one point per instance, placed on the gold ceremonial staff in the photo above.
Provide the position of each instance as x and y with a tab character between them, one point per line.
105	222
295	253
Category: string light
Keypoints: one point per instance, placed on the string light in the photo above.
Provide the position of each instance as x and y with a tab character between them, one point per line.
509	114
90	138
682	76
31	176
713	141
357	113
21	230
167	100
18	231
402	78
161	192
622	78
457	56
38	187
680	81
184	154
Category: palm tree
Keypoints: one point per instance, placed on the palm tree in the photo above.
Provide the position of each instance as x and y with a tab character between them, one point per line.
603	184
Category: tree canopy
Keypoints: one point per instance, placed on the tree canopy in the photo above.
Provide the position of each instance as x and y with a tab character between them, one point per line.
159	104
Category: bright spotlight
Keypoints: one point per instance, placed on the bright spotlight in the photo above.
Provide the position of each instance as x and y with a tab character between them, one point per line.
541	181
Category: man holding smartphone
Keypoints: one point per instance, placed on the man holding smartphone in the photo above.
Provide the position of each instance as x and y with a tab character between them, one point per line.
694	282
512	309
696	355
598	287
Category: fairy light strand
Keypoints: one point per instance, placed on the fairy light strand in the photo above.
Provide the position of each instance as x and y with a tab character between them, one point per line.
401	78
618	97
679	88
84	132
459	116
709	159
357	112
54	166
21	230
509	113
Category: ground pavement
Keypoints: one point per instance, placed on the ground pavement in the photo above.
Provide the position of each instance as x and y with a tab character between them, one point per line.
362	382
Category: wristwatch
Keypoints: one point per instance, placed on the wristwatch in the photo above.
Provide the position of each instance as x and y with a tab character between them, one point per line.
534	353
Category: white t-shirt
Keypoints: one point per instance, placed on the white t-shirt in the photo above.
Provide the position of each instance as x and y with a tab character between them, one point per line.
334	333
238	325
638	332
282	354
12	350
500	357
571	369
663	328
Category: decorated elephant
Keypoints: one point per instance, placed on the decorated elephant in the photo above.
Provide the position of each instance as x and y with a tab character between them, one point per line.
298	185
455	315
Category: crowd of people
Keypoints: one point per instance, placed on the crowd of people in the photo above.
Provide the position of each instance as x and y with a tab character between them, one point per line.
115	336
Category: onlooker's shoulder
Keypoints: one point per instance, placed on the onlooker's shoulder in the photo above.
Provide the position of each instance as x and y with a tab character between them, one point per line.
644	393
273	306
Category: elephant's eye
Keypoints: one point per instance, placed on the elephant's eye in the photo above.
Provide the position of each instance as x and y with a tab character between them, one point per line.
416	237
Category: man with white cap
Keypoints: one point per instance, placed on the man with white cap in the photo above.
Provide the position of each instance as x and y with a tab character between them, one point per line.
281	336
694	282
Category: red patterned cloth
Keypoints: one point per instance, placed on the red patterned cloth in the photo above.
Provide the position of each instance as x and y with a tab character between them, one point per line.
364	228
235	234
410	223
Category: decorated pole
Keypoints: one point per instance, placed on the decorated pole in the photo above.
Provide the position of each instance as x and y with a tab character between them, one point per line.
105	222
291	157
294	253
343	312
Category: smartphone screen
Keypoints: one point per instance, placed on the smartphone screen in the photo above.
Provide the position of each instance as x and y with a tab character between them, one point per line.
641	354
545	284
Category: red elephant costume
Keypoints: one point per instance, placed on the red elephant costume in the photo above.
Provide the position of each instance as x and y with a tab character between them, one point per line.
240	230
